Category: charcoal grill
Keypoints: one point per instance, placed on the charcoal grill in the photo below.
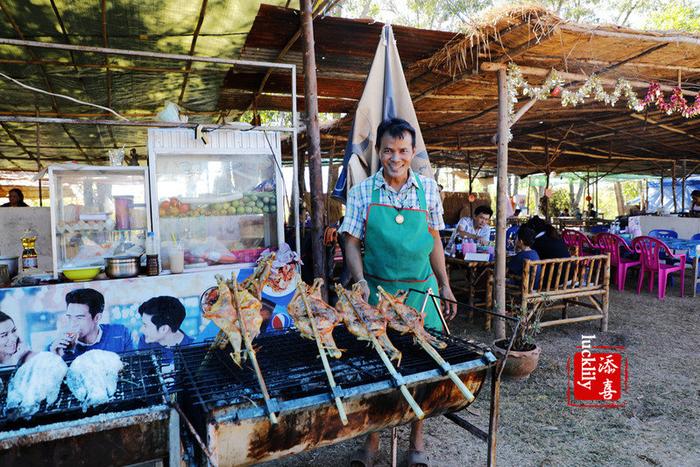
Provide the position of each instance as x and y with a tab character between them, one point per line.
134	424
229	412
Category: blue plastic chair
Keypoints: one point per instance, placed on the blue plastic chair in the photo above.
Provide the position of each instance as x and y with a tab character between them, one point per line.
661	233
695	237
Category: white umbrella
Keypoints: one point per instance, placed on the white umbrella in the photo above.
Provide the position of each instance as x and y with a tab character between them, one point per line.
385	96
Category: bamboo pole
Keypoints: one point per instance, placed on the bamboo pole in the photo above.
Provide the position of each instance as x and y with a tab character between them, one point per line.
378	347
685	173
502	180
314	139
301	286
251	353
673	186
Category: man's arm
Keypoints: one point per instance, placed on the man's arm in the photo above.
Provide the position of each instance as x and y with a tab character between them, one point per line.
353	260
437	262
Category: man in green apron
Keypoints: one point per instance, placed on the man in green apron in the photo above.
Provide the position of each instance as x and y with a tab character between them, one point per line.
397	214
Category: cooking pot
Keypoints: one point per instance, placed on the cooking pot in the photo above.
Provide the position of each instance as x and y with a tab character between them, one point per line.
12	264
122	266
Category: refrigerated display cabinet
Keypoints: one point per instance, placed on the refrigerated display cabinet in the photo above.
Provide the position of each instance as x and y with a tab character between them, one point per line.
221	199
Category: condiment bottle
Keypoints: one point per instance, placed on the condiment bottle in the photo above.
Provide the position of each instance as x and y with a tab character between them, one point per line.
459	253
152	264
30	258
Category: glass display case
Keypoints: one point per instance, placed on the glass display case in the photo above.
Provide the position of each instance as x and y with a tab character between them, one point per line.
221	200
97	212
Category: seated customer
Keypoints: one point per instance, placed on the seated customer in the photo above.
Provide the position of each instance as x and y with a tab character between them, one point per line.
523	244
474	228
548	244
695	207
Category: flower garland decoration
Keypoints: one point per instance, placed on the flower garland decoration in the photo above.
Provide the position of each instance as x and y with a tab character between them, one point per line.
677	102
593	89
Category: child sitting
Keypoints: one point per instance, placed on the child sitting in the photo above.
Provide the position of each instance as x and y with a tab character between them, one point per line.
523	244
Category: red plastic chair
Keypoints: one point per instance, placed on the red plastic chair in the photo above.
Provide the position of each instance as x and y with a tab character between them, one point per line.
650	250
613	244
577	242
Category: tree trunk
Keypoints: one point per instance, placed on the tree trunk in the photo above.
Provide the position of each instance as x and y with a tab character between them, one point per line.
314	139
619	197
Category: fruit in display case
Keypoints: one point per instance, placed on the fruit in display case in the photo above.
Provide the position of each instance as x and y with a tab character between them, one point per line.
257	202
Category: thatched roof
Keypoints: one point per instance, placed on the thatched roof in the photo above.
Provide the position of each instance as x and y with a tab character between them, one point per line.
456	100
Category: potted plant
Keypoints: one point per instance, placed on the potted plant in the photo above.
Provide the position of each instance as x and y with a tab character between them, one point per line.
524	354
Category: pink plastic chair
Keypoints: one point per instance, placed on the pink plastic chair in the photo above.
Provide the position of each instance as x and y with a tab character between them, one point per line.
650	250
612	244
578	242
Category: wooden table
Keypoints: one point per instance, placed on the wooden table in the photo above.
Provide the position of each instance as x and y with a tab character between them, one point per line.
476	271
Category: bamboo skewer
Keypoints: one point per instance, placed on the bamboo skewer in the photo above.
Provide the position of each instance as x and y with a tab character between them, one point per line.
398	378
446	367
322	352
251	353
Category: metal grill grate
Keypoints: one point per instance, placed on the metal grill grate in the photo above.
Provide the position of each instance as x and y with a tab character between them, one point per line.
139	386
292	368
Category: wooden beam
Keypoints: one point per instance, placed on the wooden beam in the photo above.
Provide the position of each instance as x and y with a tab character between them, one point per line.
320	7
193	45
586	61
672	38
671	129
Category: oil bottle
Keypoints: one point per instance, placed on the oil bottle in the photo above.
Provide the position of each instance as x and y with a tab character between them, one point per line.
30	259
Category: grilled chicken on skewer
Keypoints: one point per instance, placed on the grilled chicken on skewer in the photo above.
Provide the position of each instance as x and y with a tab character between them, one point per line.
224	314
255	283
374	319
324	316
223	311
403	318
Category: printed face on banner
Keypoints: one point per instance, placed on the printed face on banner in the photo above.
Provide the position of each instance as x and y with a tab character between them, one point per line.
39	316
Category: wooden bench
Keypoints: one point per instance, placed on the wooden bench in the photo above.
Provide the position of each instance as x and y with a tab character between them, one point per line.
556	283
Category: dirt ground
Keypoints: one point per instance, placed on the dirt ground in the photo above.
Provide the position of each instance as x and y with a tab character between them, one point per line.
657	426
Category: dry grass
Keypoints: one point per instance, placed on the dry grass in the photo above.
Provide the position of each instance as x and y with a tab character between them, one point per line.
658	425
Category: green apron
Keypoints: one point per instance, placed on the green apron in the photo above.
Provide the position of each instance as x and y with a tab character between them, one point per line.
397	255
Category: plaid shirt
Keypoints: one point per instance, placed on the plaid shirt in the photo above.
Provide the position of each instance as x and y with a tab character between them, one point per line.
360	197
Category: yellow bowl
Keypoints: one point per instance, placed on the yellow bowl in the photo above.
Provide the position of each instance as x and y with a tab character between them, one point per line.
82	274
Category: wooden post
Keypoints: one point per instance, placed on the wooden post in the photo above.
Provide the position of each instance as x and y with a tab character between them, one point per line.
646	195
597	180
685	174
673	187
661	188
314	140
501	200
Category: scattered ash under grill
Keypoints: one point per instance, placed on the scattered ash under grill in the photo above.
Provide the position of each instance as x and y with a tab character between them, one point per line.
139	386
293	369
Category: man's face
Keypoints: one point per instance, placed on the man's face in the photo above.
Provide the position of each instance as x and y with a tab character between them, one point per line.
152	333
8	338
79	319
14	198
481	220
396	155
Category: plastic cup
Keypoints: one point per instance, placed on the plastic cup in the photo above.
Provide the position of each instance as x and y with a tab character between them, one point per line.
176	253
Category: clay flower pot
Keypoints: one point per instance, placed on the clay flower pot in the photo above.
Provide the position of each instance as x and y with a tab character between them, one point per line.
520	363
